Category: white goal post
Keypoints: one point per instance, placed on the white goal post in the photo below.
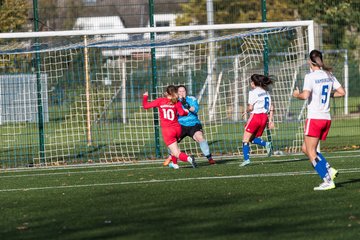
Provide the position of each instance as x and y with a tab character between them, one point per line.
94	83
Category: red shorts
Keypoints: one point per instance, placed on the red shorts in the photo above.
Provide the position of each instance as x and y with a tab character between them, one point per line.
256	123
171	134
318	128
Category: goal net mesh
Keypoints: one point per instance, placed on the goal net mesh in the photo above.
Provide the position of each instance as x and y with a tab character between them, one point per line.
71	100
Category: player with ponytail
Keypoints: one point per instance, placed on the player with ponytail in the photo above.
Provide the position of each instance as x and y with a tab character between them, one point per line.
318	88
191	125
169	108
261	110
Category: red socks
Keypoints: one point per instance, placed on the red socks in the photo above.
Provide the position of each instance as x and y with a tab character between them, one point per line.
183	157
173	159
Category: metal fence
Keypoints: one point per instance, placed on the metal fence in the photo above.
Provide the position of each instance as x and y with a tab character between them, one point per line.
336	34
337	22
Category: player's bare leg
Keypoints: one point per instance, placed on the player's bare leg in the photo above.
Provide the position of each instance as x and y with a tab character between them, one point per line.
168	160
319	163
175	151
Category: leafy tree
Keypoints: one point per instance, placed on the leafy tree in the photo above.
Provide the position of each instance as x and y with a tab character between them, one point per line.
233	11
48	13
341	25
57	15
13	15
73	10
338	18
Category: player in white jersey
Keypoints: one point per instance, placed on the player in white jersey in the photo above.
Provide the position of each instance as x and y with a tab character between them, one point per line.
261	114
320	83
318	88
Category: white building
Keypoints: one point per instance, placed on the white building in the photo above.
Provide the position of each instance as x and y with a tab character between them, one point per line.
101	23
162	20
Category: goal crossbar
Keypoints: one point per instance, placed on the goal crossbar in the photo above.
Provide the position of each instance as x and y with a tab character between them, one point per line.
307	23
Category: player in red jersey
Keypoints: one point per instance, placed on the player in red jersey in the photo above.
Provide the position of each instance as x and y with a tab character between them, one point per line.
191	125
169	108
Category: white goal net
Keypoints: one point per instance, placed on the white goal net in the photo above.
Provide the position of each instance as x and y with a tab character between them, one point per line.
88	89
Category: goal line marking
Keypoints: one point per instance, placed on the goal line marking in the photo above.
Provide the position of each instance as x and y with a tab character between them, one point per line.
279	174
69	171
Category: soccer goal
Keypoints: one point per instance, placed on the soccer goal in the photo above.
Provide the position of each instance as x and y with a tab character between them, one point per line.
89	84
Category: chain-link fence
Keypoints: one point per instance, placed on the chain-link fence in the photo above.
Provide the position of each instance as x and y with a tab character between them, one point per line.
30	74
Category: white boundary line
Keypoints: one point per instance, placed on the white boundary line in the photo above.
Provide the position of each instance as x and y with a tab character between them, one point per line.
279	174
125	167
66	170
151	162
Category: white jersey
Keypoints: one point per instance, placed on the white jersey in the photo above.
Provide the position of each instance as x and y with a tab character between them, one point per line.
260	99
320	85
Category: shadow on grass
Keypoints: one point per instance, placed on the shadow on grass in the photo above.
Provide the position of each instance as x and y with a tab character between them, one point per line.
341	184
229	209
283	161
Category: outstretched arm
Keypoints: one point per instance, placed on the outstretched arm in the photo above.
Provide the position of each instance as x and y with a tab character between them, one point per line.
147	104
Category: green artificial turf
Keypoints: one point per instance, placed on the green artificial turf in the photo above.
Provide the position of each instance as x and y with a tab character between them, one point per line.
272	198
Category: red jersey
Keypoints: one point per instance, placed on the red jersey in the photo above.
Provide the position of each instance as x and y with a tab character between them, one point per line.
168	112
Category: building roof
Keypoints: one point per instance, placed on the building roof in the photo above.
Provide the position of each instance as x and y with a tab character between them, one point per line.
96	23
